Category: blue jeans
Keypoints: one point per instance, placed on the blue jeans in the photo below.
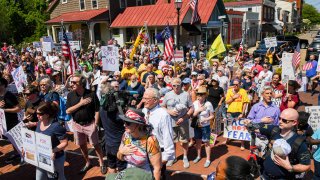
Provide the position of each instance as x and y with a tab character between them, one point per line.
316	174
58	168
202	133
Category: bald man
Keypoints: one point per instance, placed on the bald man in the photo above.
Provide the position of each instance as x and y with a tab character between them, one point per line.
298	160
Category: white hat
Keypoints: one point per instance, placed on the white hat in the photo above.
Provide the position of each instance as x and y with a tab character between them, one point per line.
281	148
194	73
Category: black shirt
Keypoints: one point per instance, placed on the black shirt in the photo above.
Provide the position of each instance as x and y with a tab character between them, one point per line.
215	96
84	114
10	102
188	73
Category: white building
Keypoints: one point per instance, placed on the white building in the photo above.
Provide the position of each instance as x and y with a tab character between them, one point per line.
286	15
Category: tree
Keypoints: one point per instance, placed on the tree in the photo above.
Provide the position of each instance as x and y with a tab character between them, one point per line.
311	13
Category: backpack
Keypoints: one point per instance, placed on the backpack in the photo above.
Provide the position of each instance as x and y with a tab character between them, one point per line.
62	114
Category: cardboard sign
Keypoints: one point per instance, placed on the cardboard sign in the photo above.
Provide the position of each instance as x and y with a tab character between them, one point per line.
287	68
270	42
47	46
235	129
3	123
44	151
14	136
29	146
178	56
20	78
314	119
110	58
75	44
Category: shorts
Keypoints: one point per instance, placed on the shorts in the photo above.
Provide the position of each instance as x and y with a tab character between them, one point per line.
81	133
114	163
181	133
202	133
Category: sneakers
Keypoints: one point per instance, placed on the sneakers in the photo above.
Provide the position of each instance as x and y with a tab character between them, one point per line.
196	160
171	162
207	164
185	162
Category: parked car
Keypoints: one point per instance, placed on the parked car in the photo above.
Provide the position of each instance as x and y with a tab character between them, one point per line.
294	39
262	49
314	48
317	38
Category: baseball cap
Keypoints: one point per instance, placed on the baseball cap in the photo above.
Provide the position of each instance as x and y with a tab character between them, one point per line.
221	69
194	73
281	148
186	81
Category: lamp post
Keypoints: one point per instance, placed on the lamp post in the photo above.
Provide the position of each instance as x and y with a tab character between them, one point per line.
178	5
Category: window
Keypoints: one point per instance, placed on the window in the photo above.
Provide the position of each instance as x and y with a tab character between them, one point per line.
123	3
250	9
94	4
64	1
139	2
82	5
152	2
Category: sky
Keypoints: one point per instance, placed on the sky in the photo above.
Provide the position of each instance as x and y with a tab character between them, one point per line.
315	3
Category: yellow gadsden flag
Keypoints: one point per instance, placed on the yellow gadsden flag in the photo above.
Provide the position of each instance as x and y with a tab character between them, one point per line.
142	37
216	48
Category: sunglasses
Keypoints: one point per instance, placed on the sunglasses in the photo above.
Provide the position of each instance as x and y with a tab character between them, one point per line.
200	94
176	85
214	65
126	64
40	114
236	84
265	66
27	94
286	121
160	78
73	82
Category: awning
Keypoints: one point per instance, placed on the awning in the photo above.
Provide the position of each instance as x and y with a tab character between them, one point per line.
277	26
193	30
81	16
268	28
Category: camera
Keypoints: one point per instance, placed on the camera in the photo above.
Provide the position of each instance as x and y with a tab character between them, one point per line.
251	127
115	99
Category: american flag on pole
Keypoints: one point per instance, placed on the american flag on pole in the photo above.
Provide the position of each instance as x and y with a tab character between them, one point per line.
239	51
9	66
195	16
67	52
307	66
296	56
168	43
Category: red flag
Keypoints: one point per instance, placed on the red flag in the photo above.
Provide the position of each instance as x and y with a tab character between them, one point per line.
307	66
296	56
195	16
168	43
239	51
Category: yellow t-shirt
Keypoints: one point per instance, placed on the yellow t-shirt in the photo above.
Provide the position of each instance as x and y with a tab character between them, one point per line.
142	67
237	104
270	56
126	73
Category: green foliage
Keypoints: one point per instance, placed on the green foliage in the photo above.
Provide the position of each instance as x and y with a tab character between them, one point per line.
310	12
24	20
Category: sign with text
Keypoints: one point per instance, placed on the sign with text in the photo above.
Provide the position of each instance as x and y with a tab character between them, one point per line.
287	68
20	78
314	119
69	35
235	129
36	44
318	66
270	42
3	123
75	44
14	136
110	58
44	151
47	46
178	56
29	146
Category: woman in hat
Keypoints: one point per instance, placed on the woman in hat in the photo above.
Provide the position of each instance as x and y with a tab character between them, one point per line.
203	114
138	148
290	97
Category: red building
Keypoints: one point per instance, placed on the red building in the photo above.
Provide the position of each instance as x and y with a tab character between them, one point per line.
235	26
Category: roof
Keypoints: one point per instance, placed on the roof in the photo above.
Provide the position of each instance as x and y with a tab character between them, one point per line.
51	5
243	3
232	12
78	16
160	14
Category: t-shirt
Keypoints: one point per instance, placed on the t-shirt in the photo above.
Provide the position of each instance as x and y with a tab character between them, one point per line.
313	71
10	102
57	133
85	114
268	76
171	99
215	95
49	97
277	90
316	155
139	157
284	104
126	73
223	81
237	104
203	114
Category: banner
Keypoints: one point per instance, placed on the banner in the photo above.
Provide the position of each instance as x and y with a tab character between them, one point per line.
270	42
69	35
29	146
178	56
235	129
36	44
314	119
110	58
287	68
3	123
75	44
14	136
47	46
44	151
20	79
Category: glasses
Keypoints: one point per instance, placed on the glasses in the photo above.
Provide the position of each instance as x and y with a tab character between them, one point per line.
223	64
194	75
160	78
43	84
127	64
74	82
286	121
40	114
27	94
214	65
201	94
127	123
176	85
236	84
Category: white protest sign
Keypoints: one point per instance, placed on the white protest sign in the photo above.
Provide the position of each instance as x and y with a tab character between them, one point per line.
14	135
48	39
75	44
36	44
47	46
318	66
314	119
235	129
3	123
29	146
287	68
69	35
178	56
270	42
248	65
44	151
110	58
20	78
96	77
69	125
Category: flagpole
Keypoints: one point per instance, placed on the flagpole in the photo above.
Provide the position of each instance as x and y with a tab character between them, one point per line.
63	72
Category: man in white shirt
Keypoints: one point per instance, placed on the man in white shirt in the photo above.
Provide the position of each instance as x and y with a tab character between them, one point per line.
160	120
223	80
230	61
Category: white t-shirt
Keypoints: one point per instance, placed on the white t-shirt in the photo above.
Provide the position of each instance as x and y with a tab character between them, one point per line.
223	82
268	76
203	114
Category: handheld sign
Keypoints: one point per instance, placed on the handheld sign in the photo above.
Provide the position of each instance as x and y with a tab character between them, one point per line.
20	78
29	146
314	119
235	129
110	58
44	151
14	136
287	68
3	123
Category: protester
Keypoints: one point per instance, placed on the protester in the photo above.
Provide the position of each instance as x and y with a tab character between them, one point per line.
290	97
234	167
278	89
310	73
33	101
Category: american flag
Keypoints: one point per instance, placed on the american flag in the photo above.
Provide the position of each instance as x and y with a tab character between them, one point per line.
307	66
168	43
296	56
67	52
9	66
195	16
239	51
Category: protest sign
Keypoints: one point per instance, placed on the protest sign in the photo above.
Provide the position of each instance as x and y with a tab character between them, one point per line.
314	119
14	136
47	39
20	78
270	42
235	129
20	115
68	125
318	66
110	58
36	44
178	56
44	151
29	146
287	68
69	35
248	65
75	44
3	123
47	46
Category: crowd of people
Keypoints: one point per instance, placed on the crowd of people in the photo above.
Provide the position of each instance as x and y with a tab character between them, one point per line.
154	105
